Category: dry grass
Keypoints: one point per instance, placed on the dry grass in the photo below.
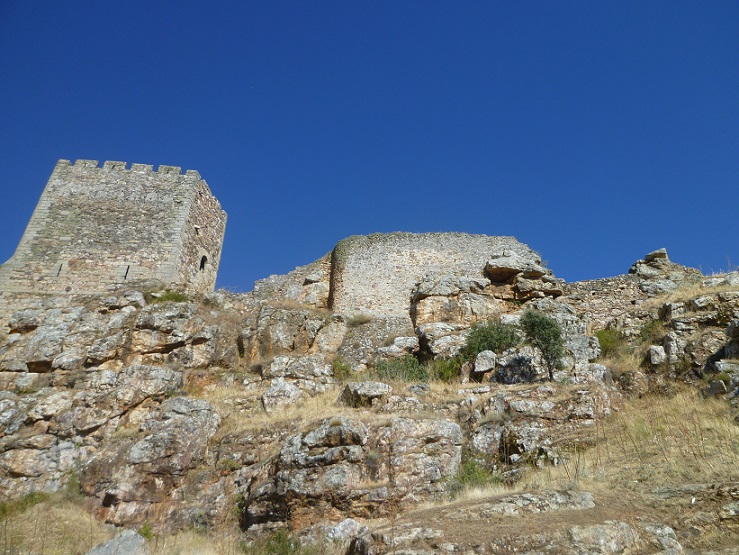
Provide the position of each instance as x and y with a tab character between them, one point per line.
250	417
686	293
243	412
653	442
649	443
56	526
226	541
625	361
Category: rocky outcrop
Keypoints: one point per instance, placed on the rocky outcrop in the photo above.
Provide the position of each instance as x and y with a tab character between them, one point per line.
346	468
127	542
659	275
173	413
557	522
533	425
134	478
364	394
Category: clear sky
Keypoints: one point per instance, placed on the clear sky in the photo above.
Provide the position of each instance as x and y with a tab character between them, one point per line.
593	131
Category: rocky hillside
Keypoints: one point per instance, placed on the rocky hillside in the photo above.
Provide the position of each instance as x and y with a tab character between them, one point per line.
392	397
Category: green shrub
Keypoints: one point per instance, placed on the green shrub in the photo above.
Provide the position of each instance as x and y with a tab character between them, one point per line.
611	342
146	531
544	333
652	332
406	369
493	336
22	504
444	370
471	474
342	370
723	376
169	296
279	543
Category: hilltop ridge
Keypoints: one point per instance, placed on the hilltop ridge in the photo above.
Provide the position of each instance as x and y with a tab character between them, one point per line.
335	401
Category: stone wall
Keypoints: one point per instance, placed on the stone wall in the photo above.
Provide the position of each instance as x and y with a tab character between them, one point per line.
605	302
202	242
97	228
376	274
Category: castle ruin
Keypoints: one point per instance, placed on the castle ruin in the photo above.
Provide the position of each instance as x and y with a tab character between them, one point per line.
98	228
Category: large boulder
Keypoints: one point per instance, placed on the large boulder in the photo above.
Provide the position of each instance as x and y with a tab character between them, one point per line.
127	542
364	394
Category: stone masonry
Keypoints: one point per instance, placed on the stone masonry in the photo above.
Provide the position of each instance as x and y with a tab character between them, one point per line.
99	228
376	274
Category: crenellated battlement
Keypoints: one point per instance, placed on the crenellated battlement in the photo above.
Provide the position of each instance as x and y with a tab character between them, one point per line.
111	165
101	227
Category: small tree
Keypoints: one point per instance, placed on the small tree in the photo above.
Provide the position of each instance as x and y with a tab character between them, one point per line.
544	333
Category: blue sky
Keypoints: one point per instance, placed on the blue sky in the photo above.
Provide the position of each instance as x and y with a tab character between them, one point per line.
594	132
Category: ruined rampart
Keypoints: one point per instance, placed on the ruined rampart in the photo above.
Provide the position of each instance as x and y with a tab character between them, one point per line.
376	274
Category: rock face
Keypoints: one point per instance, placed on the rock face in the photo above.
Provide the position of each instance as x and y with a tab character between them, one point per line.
364	394
134	480
659	275
127	542
347	468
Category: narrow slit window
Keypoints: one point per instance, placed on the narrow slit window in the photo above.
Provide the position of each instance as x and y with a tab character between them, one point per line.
59	271
126	274
203	262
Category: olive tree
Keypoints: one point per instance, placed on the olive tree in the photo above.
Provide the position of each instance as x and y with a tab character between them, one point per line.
544	333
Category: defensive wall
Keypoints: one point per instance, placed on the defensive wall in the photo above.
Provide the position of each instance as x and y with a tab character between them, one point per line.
98	228
376	274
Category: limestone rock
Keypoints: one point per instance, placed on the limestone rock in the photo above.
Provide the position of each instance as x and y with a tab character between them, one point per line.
131	476
729	279
310	373
346	530
484	362
366	335
656	355
422	454
400	347
580	348
659	275
364	394
523	503
447	346
127	542
457	299
509	264
279	330
344	467
280	393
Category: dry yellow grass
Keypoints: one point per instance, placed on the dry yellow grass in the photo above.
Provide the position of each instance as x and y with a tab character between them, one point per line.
226	541
686	293
56	526
243	412
653	442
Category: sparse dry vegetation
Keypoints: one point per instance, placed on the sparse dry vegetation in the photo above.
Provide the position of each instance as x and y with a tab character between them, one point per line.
652	442
54	524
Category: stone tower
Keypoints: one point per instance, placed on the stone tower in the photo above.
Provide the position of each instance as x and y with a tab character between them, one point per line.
99	228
